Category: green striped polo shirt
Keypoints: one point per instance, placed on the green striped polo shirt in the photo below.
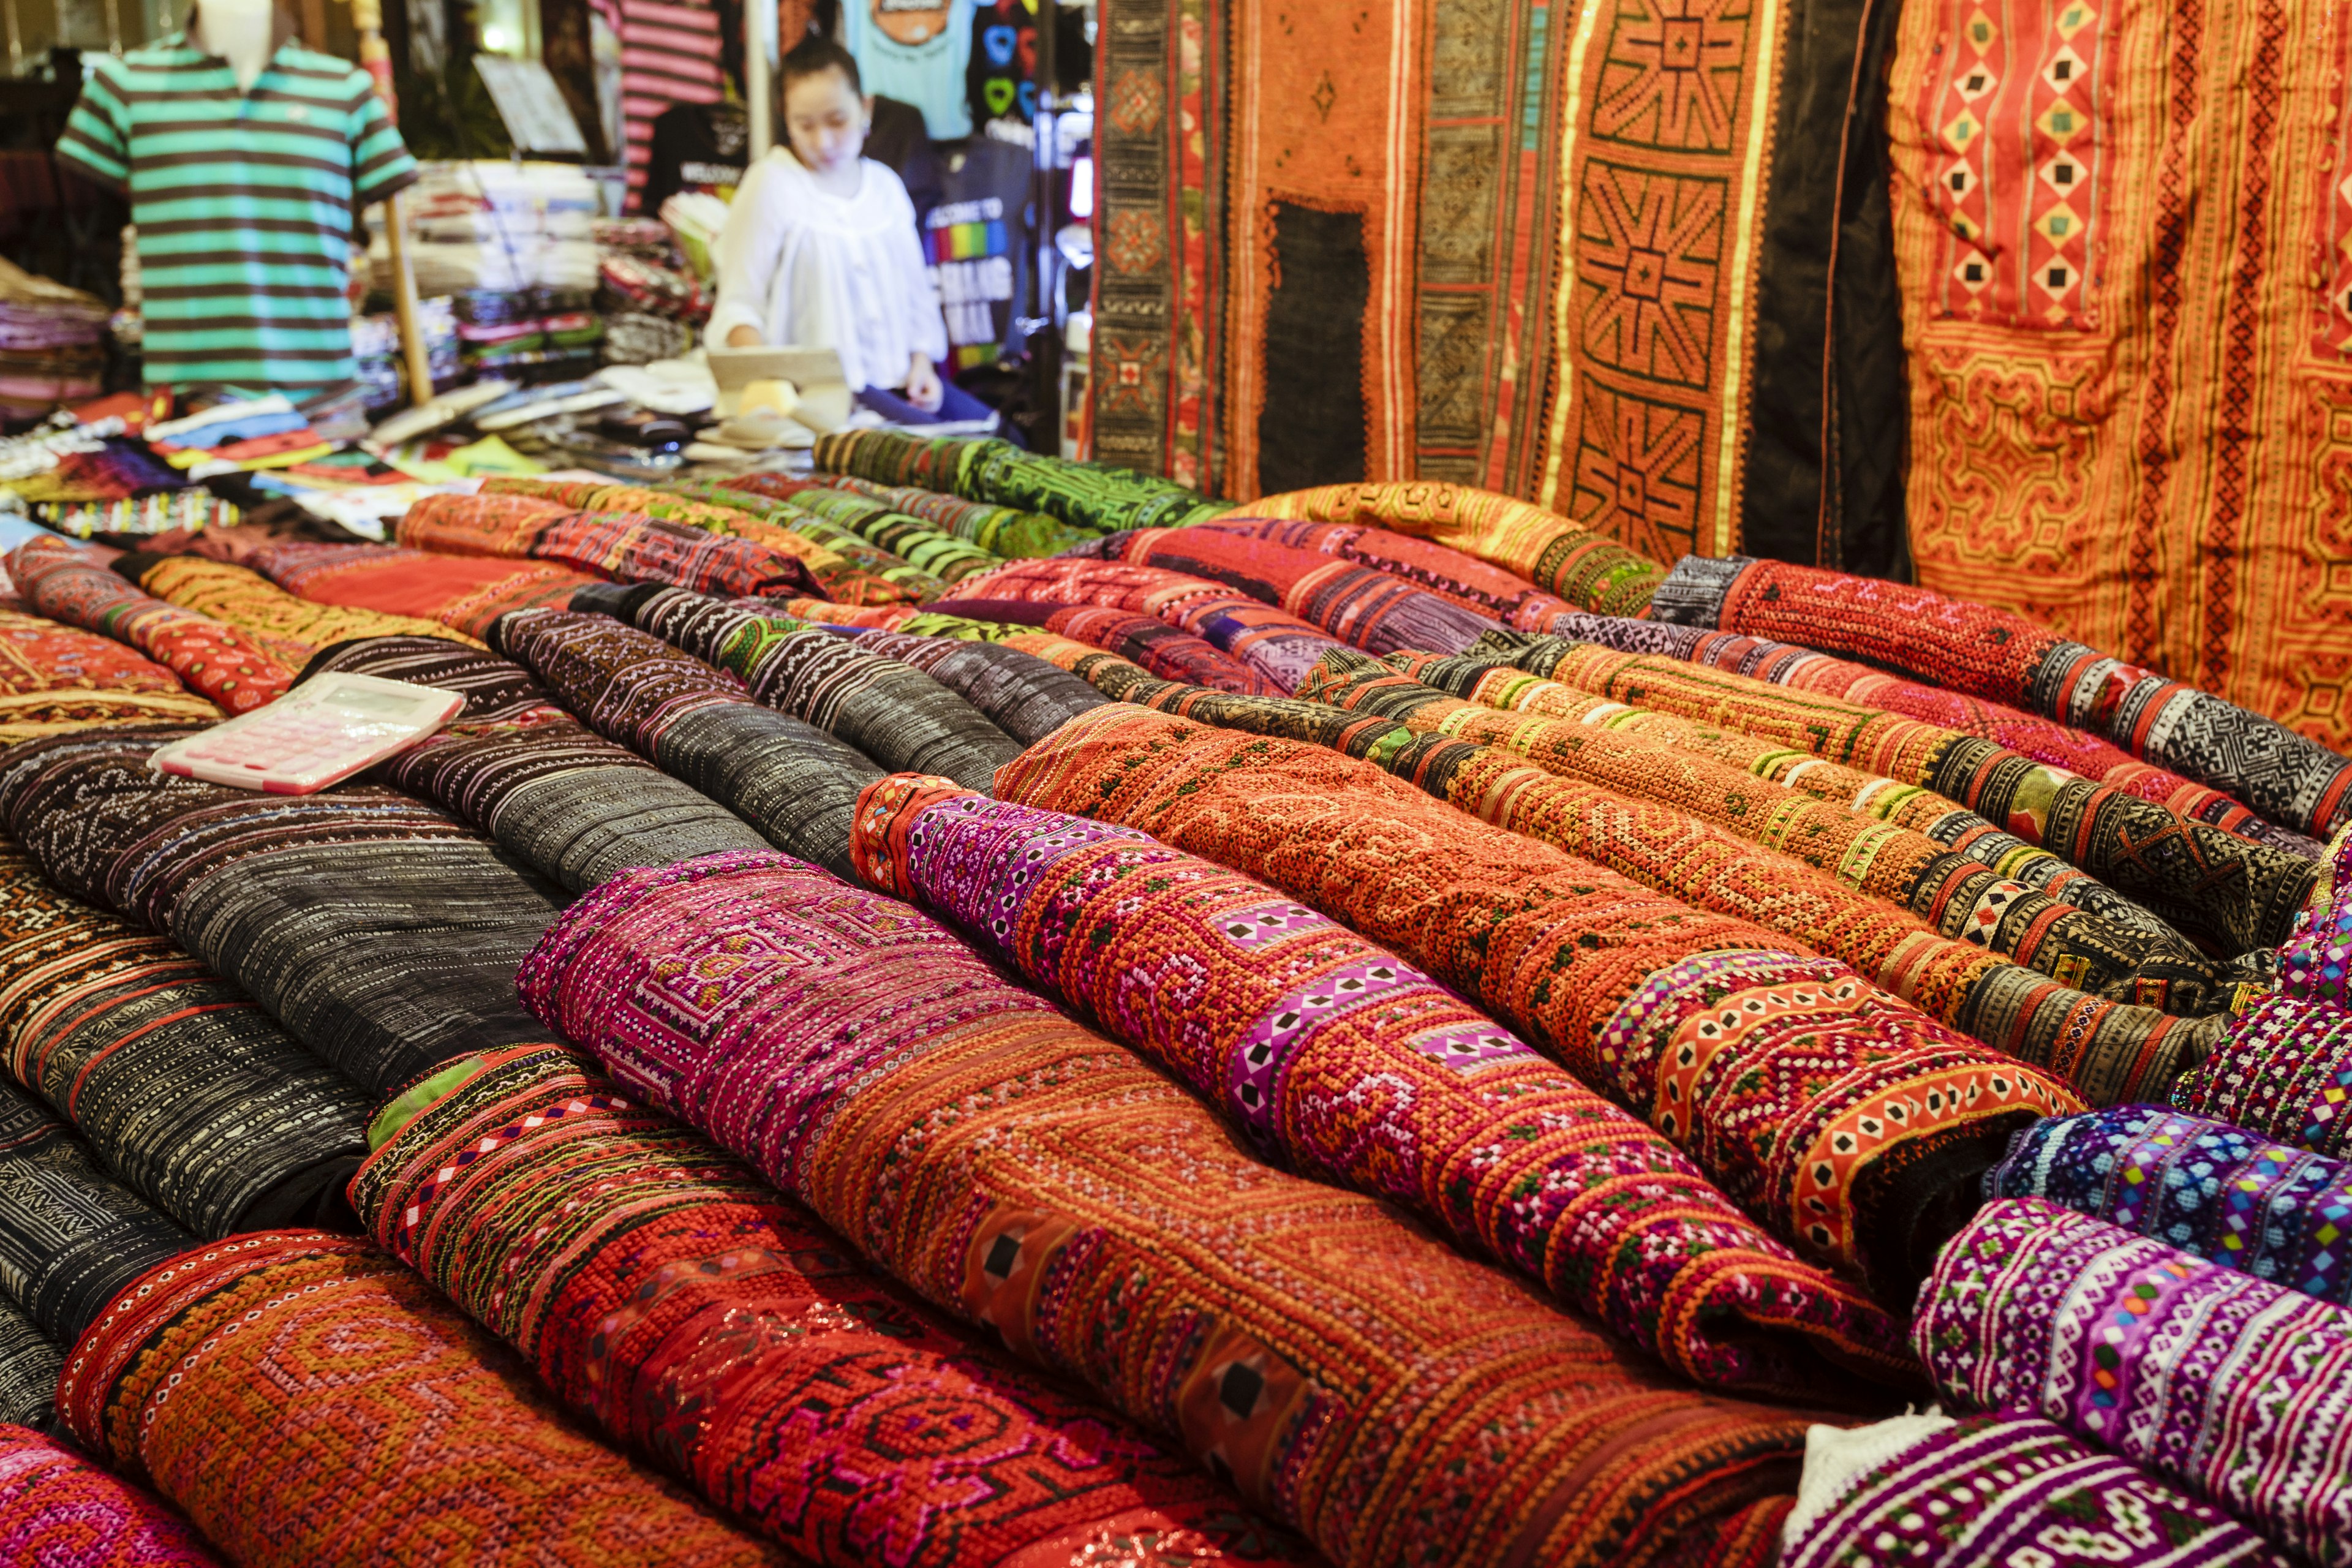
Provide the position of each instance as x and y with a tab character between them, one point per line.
244	203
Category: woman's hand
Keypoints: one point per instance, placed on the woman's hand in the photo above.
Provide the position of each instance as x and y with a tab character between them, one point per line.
745	337
923	388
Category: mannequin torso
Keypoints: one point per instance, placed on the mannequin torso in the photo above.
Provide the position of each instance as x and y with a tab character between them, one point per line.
242	32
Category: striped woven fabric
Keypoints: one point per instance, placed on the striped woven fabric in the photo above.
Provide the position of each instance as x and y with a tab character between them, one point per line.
627	547
1584	569
55	678
379	930
70	1235
29	1363
1850	1124
465	592
1452	574
237	670
570	804
1362	605
2005	657
666	1293
181	1087
2207	881
2014	1488
911	539
1495	682
1276	644
899	716
901	581
1092	496
60	1510
2146	1352
1020	694
1957	897
2043	739
851	575
795	784
232	1380
1145	640
1329	1054
2214	1191
1350	1374
1002	531
244	598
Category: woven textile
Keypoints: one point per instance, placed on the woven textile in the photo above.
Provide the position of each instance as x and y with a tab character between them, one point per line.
1020	694
666	1293
2013	1489
2190	516
914	540
570	804
1330	1054
2232	1387
1452	574
1362	605
1494	681
846	576
60	1510
897	715
1002	531
70	1235
627	547
2106	1050
882	578
2043	739
1095	497
55	678
1145	640
182	1088
213	660
269	1387
242	597
1546	552
29	1363
1956	898
2005	657
1276	644
465	592
2316	962
2212	1190
2284	1070
2207	881
1847	1123
1396	1401
788	779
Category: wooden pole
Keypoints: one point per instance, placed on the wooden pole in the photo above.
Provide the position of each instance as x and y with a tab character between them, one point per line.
375	58
759	94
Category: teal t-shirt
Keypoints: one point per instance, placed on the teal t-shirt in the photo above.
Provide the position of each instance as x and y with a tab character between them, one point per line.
915	51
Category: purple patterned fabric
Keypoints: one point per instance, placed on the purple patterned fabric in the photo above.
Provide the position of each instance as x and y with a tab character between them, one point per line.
60	1510
2235	1389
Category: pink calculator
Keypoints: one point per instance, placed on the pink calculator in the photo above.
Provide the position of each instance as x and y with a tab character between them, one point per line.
321	732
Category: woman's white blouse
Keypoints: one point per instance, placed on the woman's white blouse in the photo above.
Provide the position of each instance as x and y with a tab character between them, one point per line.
816	270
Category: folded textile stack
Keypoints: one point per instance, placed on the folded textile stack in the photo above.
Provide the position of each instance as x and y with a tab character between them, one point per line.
383	364
51	343
497	227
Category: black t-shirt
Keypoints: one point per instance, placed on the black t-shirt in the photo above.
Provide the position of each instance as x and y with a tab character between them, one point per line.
706	147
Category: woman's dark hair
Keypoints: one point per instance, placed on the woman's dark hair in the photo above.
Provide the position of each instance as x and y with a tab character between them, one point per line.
815	56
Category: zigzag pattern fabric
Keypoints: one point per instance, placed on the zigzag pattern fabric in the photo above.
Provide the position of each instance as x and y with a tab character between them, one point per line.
2006	657
183	1384
2207	881
1104	1222
1846	1122
666	1293
1331	1055
2152	1354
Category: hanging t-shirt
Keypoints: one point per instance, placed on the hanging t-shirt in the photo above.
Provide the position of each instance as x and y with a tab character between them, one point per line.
243	202
978	242
915	51
1001	79
669	54
697	147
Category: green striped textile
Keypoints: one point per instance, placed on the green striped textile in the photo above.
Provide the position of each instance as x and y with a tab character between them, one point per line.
243	204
